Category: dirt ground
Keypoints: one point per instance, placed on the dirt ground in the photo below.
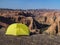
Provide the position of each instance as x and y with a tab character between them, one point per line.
38	39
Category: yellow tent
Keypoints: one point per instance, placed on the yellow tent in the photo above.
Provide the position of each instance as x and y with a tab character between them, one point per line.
17	29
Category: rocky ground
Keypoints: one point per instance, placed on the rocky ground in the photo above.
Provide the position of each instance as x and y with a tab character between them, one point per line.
37	39
46	21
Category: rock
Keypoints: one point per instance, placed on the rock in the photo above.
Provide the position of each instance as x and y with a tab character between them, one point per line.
51	30
34	19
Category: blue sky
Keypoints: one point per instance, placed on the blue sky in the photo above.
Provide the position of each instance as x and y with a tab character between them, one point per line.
30	4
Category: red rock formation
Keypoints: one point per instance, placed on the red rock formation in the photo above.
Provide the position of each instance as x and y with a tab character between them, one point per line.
51	29
49	17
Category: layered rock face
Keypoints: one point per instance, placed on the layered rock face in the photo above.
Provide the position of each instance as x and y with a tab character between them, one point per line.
34	19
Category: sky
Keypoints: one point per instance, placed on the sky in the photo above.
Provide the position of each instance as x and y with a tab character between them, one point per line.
30	4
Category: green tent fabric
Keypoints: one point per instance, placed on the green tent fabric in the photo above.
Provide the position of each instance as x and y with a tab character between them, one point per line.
17	29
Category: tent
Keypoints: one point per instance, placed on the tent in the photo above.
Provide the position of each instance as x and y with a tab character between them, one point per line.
17	29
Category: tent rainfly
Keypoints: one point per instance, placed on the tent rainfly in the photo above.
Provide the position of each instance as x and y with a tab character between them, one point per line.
17	29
